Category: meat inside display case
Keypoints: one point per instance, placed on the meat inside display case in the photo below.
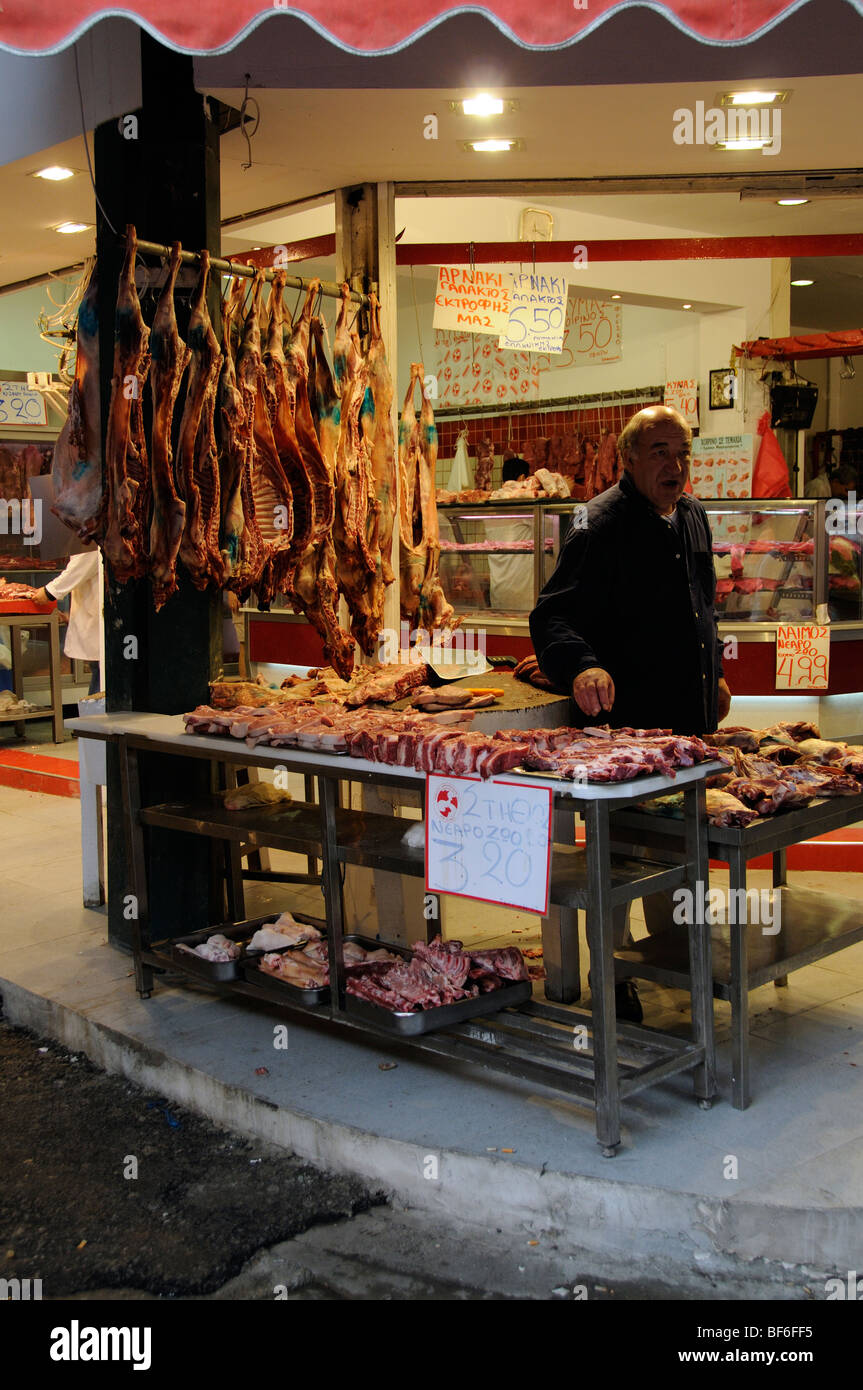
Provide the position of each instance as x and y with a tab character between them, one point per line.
497	558
769	560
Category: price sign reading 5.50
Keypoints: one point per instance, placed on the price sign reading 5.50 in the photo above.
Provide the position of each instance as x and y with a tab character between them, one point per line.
488	840
802	657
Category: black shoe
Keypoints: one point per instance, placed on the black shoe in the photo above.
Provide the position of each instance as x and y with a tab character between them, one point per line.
627	1004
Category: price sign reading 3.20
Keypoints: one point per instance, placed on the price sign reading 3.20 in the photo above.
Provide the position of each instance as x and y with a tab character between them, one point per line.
488	840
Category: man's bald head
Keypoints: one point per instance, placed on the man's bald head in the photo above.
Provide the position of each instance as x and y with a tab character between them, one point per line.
655	447
630	435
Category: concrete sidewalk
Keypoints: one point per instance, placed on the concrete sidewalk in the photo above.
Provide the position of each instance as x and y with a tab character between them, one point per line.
667	1198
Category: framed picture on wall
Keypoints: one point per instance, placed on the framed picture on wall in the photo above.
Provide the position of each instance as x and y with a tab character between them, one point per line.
723	388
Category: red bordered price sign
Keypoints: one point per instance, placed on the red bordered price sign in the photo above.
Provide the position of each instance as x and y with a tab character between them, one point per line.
802	657
489	840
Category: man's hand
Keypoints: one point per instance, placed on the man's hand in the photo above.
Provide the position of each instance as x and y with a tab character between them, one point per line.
723	700
42	596
593	690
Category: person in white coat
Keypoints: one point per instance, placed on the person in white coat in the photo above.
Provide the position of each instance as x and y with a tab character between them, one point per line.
82	580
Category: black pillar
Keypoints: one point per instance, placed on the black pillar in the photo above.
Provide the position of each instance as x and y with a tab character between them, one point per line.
158	168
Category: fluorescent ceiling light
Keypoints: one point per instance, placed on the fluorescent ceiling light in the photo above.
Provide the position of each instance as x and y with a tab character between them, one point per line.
791	202
741	144
483	105
496	146
54	173
686	306
803	282
615	296
68	227
754	98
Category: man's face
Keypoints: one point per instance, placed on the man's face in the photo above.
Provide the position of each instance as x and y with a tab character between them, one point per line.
659	464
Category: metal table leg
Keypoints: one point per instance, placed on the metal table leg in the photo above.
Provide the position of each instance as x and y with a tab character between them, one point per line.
599	940
780	877
55	677
739	988
139	905
331	883
700	971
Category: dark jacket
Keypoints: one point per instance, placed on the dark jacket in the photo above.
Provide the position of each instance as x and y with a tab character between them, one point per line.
634	595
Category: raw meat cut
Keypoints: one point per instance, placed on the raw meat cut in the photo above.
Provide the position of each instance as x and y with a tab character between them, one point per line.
169	357
197	461
280	397
725	809
127	480
423	602
386	684
484	464
76	470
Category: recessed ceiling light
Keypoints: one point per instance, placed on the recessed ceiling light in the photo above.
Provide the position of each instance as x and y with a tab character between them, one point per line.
491	146
686	306
803	282
754	98
54	173
615	296
483	105
67	228
791	202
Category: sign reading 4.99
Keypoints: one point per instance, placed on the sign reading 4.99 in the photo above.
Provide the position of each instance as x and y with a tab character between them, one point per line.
488	840
802	657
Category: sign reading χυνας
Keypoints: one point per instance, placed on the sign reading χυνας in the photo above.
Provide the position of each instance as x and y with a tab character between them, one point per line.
488	840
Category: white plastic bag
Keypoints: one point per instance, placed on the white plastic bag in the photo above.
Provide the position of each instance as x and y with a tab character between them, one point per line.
460	476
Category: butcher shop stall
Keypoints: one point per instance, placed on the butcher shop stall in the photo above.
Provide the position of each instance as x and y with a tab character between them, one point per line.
330	444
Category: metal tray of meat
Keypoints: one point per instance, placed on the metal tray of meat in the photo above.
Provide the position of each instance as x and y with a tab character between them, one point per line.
410	1025
209	969
279	988
304	921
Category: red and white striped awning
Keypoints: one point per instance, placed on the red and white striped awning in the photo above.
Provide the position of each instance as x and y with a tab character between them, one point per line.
378	26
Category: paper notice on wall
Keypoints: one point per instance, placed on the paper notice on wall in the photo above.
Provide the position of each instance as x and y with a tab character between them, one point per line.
722	466
472	371
488	840
537	317
802	657
474	300
683	396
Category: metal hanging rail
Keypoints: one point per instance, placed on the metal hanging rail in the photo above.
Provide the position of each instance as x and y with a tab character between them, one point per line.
539	406
294	282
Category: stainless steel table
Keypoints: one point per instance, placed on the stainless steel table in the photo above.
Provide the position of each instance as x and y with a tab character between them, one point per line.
587	1055
812	924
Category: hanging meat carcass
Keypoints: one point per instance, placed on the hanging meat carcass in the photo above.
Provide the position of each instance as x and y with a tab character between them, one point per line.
484	464
383	470
354	530
197	460
280	410
240	541
77	467
274	507
607	461
316	586
170	357
422	599
127	478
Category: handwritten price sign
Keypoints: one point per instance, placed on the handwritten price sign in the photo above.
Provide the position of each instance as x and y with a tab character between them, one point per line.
802	657
488	840
536	318
21	406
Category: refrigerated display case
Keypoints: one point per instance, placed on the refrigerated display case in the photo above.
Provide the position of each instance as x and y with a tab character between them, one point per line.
496	558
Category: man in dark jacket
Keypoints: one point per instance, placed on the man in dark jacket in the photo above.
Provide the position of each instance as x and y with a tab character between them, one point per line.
626	622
